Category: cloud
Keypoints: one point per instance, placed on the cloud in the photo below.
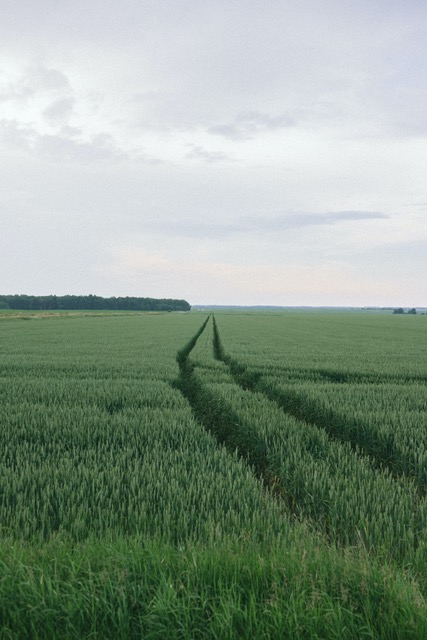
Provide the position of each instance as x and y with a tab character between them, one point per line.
99	148
18	91
15	135
244	225
33	81
44	78
201	64
303	219
200	153
59	110
247	125
63	146
287	131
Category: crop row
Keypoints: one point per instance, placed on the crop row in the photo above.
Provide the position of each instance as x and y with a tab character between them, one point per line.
388	421
122	517
336	347
336	487
113	456
385	419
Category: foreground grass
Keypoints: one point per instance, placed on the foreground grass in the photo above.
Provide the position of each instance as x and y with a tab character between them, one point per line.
132	590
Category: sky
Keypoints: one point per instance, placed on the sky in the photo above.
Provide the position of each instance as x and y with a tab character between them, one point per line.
245	152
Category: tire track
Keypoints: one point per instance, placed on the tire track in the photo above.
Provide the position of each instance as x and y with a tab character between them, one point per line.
348	377
288	486
225	425
383	452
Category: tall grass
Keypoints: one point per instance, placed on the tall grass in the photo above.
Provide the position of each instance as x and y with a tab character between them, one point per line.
144	493
133	590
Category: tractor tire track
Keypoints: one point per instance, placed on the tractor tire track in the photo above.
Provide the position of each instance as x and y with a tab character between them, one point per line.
383	452
237	433
225	425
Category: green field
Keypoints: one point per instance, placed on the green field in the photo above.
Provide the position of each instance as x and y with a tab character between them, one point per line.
248	475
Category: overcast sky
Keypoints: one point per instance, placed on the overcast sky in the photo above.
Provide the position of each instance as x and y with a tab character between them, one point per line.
221	151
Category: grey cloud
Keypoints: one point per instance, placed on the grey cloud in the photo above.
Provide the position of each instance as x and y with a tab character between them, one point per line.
246	125
99	148
69	145
71	132
243	225
59	109
308	219
65	146
47	78
16	91
202	61
337	216
198	65
199	153
35	80
15	135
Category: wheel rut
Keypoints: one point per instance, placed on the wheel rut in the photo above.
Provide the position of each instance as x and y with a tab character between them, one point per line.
226	426
288	484
382	452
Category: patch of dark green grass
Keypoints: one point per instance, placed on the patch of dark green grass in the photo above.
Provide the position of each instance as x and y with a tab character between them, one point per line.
131	590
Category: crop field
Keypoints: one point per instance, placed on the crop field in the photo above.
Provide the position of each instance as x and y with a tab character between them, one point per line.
184	475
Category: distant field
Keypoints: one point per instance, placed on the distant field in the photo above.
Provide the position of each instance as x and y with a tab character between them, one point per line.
23	313
248	475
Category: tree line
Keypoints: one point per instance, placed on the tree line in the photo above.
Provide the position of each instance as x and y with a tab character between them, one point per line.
91	302
410	311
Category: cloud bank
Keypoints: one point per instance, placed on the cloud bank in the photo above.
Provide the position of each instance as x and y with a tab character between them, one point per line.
273	151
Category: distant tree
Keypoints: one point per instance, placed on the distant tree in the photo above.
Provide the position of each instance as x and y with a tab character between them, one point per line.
412	311
399	310
91	302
